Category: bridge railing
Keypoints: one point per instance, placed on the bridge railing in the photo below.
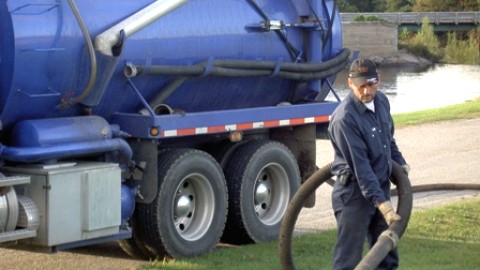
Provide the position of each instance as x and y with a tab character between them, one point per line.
417	17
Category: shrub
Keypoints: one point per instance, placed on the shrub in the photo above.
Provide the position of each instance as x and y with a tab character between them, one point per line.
372	18
360	18
463	51
426	42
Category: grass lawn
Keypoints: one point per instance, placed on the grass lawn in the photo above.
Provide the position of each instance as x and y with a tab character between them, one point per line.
467	110
446	237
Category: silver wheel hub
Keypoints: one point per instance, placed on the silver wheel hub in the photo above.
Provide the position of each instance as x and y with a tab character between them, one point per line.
271	193
193	207
184	207
8	209
262	194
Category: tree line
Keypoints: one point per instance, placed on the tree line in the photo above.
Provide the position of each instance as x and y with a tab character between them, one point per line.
408	5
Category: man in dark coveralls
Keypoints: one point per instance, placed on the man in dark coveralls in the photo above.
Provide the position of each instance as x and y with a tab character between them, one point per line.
361	131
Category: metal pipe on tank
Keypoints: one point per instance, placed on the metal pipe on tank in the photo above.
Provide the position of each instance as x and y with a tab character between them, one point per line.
315	43
63	151
146	16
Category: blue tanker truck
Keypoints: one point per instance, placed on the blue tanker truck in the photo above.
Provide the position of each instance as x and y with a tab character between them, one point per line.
168	126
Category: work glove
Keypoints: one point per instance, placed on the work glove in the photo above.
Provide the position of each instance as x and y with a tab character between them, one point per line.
406	169
388	213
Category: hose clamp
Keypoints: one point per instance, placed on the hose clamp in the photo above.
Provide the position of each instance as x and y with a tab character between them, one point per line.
208	68
392	235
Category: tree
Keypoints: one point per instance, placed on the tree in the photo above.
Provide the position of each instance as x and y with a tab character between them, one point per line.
426	43
436	5
347	7
398	5
470	5
377	5
359	6
463	51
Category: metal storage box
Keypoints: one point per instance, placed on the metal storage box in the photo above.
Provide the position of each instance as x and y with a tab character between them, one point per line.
76	201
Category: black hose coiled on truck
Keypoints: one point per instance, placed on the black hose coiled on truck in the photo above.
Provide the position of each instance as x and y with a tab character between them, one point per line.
248	68
385	243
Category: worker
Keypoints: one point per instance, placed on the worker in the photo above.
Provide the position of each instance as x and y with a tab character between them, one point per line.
361	132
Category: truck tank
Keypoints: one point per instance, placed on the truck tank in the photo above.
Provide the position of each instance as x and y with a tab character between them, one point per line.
46	65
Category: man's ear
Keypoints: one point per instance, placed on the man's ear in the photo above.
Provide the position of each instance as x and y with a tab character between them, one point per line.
350	83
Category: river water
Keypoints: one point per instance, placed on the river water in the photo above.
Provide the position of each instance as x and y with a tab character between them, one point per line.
413	89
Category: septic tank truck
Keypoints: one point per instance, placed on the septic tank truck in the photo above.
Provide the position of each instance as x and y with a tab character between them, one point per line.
168	126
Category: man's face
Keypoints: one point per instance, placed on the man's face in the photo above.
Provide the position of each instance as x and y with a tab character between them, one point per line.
365	92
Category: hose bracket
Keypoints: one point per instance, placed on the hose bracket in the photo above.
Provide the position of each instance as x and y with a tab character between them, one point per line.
208	68
277	68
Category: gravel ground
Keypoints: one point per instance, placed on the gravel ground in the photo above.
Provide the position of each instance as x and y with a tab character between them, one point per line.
445	152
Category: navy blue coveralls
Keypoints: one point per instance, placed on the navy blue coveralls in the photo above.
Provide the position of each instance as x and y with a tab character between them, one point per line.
364	146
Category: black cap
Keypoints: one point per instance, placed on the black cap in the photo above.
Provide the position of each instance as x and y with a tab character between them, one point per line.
363	71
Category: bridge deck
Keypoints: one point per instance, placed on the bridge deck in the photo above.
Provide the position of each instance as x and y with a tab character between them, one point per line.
417	17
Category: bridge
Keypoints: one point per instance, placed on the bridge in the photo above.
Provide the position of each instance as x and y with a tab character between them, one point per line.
442	21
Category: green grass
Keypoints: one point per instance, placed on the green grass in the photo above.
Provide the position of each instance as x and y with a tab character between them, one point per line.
467	110
446	237
443	238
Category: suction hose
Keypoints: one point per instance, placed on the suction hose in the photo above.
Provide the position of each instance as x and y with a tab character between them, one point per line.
385	243
293	210
389	238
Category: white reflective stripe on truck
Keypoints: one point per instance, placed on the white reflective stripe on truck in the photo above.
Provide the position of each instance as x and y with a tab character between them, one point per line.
243	126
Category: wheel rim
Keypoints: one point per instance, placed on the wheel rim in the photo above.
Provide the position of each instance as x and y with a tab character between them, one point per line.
271	193
193	206
8	209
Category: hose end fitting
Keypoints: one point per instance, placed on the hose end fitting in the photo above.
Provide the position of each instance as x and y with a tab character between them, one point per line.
130	70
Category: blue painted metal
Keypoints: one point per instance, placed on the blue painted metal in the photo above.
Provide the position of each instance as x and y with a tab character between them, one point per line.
57	131
139	126
128	202
68	150
59	138
44	59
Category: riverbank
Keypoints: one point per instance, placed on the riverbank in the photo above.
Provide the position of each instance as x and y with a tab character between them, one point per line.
401	58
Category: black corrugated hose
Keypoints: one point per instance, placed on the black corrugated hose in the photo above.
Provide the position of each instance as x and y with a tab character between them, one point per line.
386	242
389	238
293	210
248	68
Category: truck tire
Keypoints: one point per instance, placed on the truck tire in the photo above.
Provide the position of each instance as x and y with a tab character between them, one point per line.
262	177
188	215
135	247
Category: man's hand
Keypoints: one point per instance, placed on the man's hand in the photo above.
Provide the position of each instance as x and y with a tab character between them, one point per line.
388	213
